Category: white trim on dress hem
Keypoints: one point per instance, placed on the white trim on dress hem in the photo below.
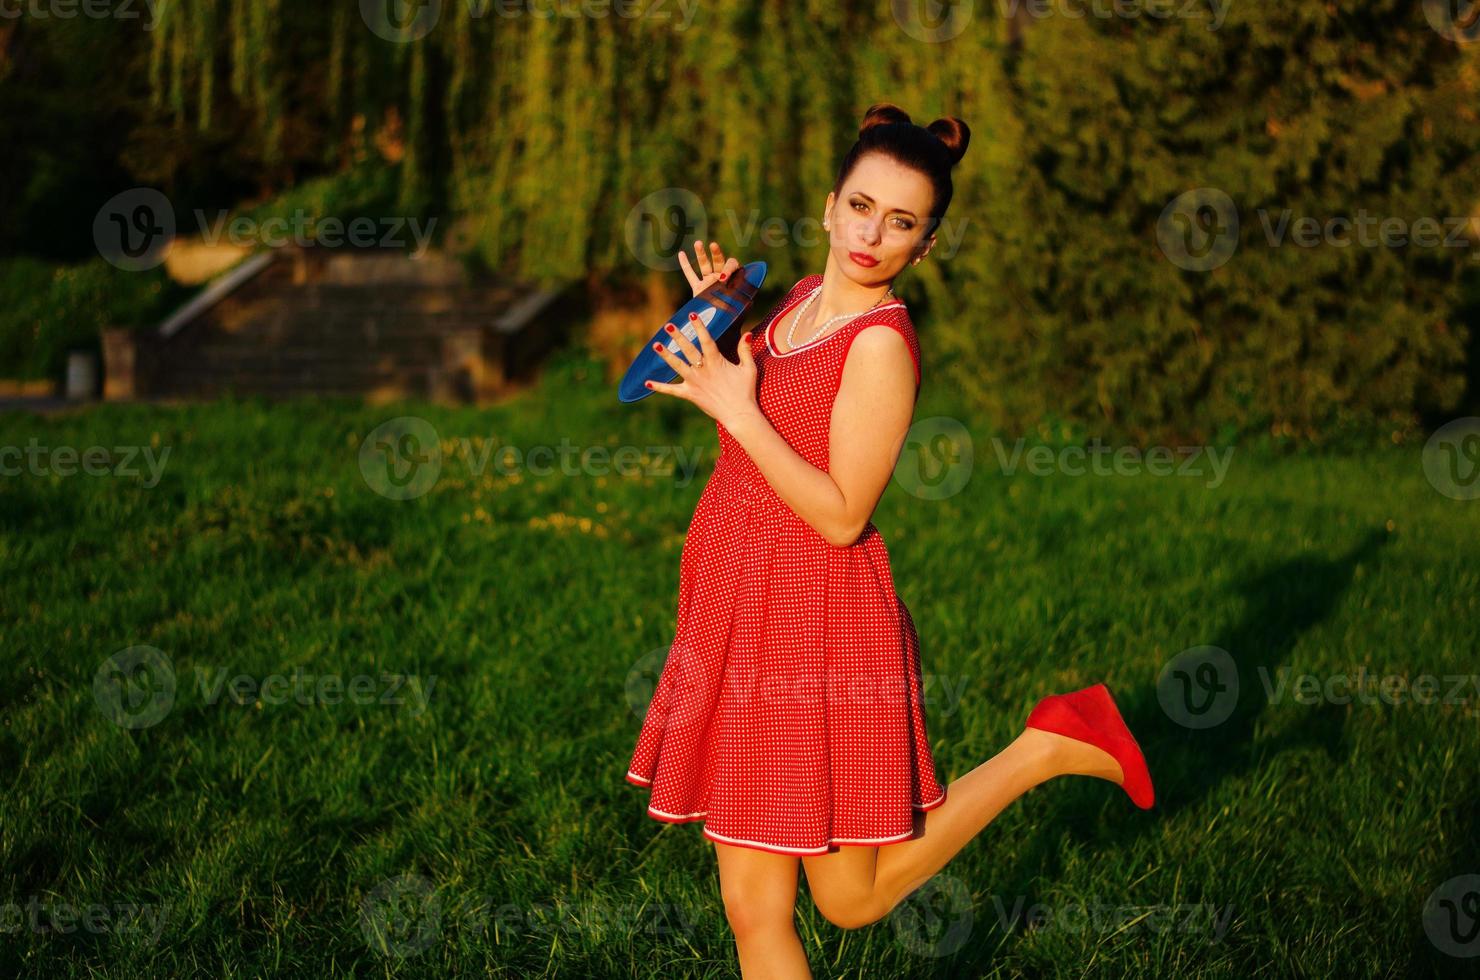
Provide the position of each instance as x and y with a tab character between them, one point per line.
777	847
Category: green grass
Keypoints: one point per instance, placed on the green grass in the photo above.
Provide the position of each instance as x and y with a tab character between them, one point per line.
1291	840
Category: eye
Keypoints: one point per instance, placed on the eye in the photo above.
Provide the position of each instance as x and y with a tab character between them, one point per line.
860	205
905	224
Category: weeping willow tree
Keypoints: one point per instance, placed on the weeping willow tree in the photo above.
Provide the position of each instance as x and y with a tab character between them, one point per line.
536	135
533	137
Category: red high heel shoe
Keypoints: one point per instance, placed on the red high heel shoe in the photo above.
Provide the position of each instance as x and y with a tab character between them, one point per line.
1090	715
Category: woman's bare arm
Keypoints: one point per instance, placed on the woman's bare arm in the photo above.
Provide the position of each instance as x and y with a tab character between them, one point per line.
870	417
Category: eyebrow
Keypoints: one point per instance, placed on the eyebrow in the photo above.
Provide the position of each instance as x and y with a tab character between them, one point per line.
872	201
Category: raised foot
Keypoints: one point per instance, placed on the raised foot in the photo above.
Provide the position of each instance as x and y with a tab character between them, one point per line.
1067	756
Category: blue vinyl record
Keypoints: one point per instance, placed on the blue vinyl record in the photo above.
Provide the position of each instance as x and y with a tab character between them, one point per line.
719	307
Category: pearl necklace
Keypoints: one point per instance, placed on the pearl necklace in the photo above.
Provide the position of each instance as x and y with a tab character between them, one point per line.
841	316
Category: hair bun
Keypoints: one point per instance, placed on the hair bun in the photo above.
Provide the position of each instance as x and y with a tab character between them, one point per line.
954	133
882	114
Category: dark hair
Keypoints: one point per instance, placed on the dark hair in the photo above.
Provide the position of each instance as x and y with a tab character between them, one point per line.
933	150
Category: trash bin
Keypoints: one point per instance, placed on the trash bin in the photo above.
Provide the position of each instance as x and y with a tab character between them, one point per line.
82	375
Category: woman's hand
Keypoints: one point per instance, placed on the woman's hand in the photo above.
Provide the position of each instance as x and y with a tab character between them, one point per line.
713	266
723	391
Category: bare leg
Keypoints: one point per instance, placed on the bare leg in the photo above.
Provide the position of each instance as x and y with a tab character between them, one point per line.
855	886
760	894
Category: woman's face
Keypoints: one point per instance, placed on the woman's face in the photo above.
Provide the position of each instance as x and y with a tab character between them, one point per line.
880	214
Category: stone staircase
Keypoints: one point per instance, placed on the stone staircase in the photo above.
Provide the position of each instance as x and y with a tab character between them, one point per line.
312	321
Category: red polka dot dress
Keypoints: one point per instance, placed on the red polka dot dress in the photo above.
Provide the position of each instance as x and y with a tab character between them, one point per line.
789	712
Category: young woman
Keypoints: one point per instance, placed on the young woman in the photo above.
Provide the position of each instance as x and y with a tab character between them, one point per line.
788	715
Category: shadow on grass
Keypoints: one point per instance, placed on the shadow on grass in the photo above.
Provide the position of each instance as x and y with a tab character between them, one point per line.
1188	764
1283	603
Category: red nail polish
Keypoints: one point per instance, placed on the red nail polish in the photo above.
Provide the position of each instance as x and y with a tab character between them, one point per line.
668	327
693	316
648	383
723	276
657	347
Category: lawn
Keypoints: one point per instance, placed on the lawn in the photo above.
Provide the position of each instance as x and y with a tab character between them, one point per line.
398	728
